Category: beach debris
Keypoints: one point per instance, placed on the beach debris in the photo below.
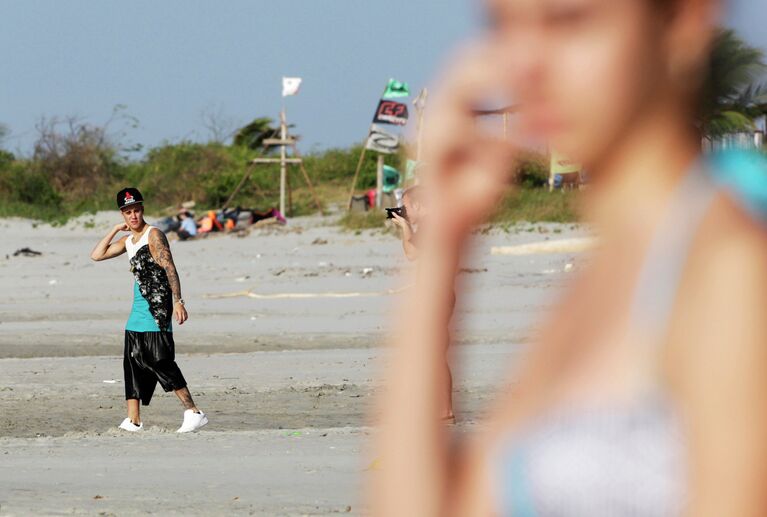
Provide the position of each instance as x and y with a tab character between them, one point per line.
368	271
98	497
472	270
109	381
568	267
53	281
241	278
27	252
294	433
319	242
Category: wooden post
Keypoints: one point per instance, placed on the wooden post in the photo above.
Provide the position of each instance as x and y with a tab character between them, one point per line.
284	141
306	177
379	180
356	174
362	157
245	176
290	194
283	167
420	104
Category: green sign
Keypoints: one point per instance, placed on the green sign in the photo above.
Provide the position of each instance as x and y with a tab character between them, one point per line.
396	89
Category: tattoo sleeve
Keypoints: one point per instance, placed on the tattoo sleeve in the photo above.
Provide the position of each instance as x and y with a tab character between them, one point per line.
158	245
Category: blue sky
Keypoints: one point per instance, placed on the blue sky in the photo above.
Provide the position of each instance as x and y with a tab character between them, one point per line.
170	61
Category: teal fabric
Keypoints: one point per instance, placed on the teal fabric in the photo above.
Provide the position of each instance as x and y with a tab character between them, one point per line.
744	174
391	178
140	319
515	489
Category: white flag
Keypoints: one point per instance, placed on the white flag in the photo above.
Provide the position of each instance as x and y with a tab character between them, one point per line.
290	85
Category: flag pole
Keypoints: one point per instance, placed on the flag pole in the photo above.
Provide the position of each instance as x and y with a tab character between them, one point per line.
379	180
420	104
362	157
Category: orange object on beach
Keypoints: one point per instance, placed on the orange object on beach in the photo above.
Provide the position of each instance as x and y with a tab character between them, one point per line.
210	223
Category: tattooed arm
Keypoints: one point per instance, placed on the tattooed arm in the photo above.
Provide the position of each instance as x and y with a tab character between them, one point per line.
160	250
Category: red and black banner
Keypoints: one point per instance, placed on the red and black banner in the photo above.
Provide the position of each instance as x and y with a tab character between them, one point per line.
391	112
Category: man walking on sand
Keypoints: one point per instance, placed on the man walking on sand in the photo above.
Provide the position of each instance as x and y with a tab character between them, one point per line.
149	348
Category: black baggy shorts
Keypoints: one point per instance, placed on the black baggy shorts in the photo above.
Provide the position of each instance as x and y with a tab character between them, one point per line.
150	357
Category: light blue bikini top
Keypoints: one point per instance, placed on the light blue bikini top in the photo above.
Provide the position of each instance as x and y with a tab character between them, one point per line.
629	459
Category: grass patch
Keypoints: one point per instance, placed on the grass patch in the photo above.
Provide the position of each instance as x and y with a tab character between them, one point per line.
358	221
538	205
533	205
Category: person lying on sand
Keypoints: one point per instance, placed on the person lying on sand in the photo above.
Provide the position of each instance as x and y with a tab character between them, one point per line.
149	347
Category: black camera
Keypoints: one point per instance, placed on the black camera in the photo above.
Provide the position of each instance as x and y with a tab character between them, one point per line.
400	211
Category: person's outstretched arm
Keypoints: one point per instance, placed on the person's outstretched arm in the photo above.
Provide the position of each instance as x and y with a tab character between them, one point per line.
160	250
106	249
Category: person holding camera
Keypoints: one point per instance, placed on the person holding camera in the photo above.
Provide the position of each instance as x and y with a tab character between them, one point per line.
409	218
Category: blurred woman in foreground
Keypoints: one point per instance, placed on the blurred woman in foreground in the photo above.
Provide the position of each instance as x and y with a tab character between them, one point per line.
644	393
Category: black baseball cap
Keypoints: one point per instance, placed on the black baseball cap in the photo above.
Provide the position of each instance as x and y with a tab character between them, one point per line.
129	196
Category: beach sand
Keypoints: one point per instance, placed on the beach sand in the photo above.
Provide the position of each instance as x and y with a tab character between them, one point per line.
282	351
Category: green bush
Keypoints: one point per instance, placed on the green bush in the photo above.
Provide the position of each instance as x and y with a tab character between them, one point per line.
533	171
27	185
6	159
208	174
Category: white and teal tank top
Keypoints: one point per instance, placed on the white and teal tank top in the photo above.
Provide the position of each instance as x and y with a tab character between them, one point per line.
152	297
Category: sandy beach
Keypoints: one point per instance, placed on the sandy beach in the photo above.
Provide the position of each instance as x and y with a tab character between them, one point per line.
282	350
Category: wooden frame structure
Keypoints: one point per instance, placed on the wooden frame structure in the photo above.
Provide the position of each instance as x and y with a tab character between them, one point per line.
283	142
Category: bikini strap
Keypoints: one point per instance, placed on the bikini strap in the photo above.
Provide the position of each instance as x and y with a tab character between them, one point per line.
662	271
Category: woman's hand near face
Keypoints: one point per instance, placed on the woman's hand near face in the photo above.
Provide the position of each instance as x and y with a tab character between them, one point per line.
466	171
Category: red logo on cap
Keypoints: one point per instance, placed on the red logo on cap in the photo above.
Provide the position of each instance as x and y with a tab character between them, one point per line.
128	198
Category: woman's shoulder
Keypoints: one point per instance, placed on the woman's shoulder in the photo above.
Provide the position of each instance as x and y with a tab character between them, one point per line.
743	174
731	245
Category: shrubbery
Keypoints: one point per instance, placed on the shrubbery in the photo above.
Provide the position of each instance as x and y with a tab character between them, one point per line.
77	168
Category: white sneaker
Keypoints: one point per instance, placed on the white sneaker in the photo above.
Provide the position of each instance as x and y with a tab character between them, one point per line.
192	421
127	425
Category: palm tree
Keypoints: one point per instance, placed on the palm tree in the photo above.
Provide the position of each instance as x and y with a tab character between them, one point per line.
253	134
731	95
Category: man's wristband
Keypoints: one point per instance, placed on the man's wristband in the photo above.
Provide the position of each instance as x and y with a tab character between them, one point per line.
180	300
